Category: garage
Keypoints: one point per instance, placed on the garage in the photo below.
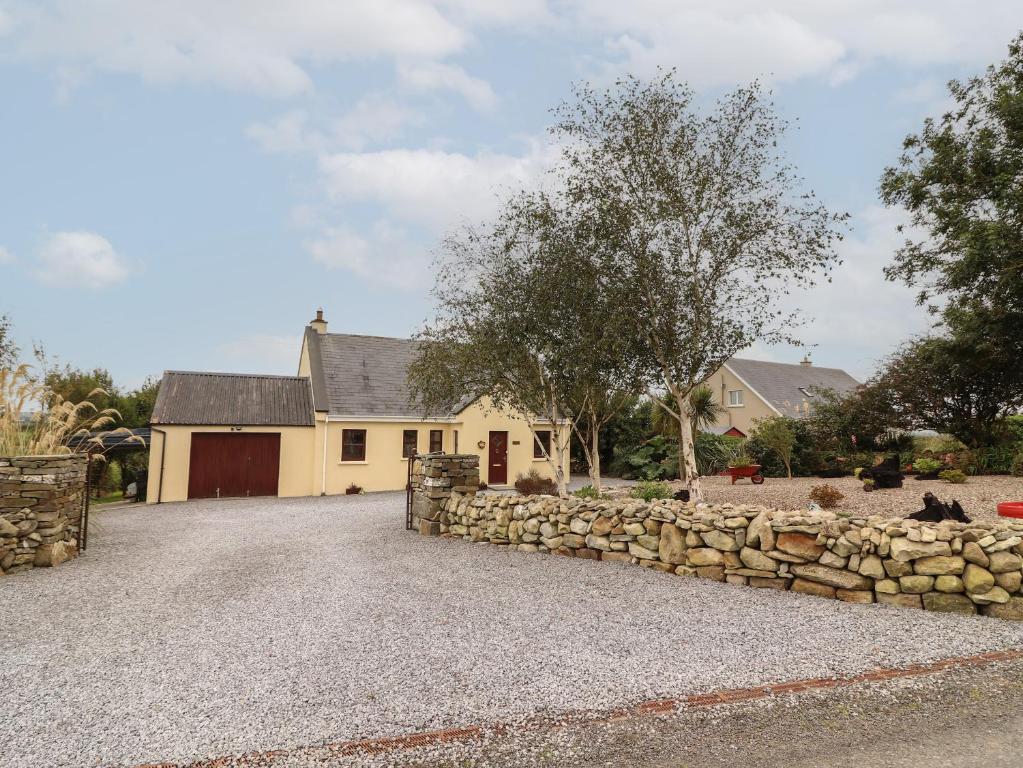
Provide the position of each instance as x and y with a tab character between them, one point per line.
228	435
230	465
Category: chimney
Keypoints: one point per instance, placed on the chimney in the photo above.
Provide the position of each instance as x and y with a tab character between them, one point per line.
806	361
318	324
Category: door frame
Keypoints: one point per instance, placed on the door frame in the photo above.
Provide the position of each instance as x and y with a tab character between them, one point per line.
490	458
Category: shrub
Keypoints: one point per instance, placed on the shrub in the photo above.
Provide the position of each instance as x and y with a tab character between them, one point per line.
856	472
827	496
586	492
654	459
715	453
925	465
953	476
1017	465
648	491
534	484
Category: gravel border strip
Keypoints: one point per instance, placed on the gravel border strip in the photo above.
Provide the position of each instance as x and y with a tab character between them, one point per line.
662	706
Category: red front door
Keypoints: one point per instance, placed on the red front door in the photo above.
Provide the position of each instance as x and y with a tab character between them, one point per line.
230	464
498	472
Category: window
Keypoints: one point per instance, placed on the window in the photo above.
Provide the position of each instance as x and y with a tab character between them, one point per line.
806	392
734	398
409	443
436	441
353	445
542	443
456	441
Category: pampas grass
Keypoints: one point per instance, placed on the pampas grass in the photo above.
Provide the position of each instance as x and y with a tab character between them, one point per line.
54	423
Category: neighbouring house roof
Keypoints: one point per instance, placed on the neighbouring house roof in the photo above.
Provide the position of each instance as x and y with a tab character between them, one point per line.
363	375
111	441
789	387
237	399
723	429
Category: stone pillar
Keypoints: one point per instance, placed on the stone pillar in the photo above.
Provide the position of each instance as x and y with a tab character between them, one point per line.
41	501
435	478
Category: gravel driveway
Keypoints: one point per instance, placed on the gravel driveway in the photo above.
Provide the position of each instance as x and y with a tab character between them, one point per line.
209	628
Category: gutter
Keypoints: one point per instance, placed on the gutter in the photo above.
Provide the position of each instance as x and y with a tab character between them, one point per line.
163	455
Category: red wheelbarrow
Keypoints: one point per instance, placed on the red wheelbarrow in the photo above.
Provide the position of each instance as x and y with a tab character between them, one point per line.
751	471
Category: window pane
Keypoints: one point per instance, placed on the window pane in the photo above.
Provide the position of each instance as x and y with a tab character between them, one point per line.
542	443
456	442
735	397
353	445
409	443
436	440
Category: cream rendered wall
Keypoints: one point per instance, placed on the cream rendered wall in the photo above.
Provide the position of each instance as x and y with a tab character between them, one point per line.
298	469
741	417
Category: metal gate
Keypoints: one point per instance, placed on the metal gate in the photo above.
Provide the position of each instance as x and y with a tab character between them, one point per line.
408	494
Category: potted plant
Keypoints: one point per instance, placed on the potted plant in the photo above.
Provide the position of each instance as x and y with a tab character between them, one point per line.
353	490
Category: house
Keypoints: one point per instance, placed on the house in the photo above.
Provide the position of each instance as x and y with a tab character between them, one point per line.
344	420
751	390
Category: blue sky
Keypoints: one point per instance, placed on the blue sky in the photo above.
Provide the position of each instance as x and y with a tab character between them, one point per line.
185	183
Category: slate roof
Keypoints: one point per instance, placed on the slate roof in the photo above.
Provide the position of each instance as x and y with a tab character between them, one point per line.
781	384
237	399
362	375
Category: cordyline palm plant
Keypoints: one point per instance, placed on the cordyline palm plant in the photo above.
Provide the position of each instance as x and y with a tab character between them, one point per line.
704	411
61	427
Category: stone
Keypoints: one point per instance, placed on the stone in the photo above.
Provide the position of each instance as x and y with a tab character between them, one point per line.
916	585
637	529
685	570
812	588
1003	562
799	544
754	558
598	542
949	603
832	560
720	540
765	583
713	572
887	586
832	576
903	601
602	526
894	568
1010	581
588	554
429	528
579	526
7	528
758	526
703	556
617	557
573	540
903	549
938	565
1011	609
977	580
994	595
871	566
638	550
528	548
973	552
843	547
650	542
672	546
855	595
948	583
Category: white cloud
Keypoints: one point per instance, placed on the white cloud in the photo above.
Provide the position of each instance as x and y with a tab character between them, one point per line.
432	188
6	257
286	133
266	353
258	45
435	76
384	255
724	43
859	317
80	259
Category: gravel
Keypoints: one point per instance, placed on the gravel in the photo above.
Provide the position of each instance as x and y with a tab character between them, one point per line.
979	495
210	628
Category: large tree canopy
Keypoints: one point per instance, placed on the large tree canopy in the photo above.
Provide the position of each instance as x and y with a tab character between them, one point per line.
703	226
960	180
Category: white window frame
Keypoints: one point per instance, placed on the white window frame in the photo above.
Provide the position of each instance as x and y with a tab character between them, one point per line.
736	402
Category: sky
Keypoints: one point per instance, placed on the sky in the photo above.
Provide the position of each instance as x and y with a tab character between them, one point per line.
185	183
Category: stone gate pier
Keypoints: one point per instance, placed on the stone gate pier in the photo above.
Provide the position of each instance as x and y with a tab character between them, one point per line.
436	477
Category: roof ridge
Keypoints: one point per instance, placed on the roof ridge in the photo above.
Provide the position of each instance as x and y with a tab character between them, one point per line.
789	365
238	375
369	336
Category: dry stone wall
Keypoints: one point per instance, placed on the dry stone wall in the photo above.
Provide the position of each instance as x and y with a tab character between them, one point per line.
952	567
435	478
41	501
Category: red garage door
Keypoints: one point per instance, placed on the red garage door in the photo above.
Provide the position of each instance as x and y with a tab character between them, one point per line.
229	464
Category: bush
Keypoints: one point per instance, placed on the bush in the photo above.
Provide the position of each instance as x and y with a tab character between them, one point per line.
827	496
586	492
952	476
648	491
654	459
715	453
926	465
806	458
534	484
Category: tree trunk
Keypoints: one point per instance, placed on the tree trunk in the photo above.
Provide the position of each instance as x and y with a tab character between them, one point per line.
594	457
688	451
